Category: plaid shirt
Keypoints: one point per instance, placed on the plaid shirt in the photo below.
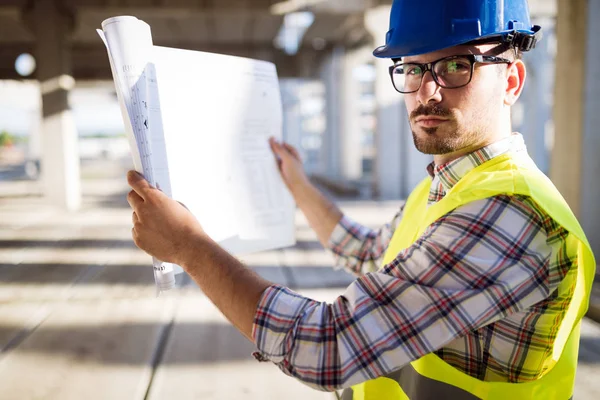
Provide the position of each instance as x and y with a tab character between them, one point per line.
478	289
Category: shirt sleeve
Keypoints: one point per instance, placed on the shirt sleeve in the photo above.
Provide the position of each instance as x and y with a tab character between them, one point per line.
472	267
359	249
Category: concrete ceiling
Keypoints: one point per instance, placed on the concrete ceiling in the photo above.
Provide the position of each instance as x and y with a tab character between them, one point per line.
238	27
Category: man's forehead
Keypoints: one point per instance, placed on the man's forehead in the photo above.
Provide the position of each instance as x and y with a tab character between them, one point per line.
451	51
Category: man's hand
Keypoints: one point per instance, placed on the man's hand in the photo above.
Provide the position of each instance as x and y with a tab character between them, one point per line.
289	163
162	227
321	213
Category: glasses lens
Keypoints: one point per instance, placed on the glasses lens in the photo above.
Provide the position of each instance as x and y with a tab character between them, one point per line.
453	72
407	77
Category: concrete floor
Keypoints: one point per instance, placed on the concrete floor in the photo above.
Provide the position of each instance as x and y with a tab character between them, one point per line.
79	317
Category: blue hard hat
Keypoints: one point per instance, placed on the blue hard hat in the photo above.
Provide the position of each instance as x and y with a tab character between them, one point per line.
423	26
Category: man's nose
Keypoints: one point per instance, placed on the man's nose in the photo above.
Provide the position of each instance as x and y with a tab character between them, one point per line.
429	90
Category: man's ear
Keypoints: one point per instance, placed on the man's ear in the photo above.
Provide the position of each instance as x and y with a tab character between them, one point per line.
515	80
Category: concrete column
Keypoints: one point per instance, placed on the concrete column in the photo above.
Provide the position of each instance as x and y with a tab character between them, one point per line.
575	160
60	158
331	70
534	119
350	122
341	156
533	113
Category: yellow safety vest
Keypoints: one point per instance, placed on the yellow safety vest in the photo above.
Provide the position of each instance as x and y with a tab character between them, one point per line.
430	377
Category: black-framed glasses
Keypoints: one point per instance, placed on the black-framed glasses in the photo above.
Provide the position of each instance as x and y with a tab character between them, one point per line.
449	72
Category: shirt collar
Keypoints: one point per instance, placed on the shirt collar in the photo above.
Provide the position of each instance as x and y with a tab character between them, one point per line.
450	173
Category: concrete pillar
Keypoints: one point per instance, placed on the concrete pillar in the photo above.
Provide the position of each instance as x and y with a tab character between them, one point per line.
351	121
331	72
535	106
575	160
60	158
341	155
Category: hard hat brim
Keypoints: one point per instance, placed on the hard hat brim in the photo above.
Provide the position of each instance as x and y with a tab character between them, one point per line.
534	34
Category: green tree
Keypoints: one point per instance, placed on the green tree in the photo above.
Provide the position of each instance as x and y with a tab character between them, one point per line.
6	139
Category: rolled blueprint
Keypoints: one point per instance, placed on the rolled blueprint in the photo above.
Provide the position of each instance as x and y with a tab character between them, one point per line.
135	82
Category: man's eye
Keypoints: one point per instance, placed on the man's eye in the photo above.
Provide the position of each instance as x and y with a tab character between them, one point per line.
453	67
414	70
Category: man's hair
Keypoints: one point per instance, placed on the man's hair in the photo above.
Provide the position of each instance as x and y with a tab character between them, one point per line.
505	50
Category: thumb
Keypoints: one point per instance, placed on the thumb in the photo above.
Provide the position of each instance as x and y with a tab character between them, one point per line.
138	183
280	151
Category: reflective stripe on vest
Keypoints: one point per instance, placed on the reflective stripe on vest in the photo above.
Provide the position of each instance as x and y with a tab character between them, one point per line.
413	384
430	378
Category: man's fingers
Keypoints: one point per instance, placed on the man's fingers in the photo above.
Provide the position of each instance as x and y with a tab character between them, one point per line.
292	150
134	218
283	149
138	183
134	199
276	147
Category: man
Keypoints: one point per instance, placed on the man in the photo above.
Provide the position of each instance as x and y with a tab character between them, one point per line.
476	287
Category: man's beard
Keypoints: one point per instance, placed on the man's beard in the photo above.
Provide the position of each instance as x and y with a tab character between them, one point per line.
454	138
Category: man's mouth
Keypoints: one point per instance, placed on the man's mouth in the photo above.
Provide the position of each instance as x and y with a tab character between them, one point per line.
430	121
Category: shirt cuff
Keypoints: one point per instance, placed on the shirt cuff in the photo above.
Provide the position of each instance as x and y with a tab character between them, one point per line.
340	234
276	315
